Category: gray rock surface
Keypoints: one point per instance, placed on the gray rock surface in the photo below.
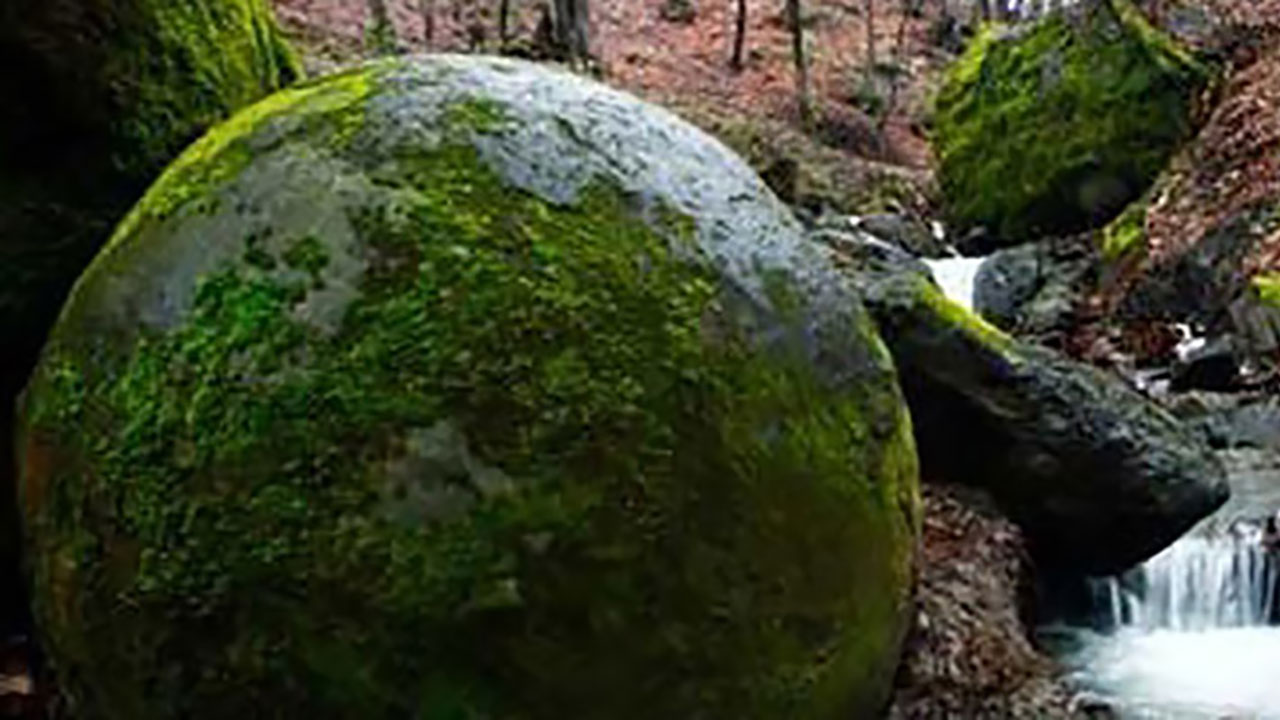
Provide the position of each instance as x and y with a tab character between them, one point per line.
516	397
1097	475
1031	291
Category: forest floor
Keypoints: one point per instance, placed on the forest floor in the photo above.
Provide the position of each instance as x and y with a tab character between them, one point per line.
868	149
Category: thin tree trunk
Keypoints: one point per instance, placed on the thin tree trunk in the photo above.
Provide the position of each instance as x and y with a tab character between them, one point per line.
380	34
803	98
428	10
870	14
504	26
899	48
572	27
739	37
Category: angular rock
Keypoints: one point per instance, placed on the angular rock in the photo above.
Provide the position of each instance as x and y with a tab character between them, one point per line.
1098	476
463	387
907	233
1054	128
1032	291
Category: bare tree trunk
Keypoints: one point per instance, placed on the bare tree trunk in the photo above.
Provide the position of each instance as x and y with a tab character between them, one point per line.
796	20
504	23
380	34
571	23
984	7
870	14
899	55
428	10
739	37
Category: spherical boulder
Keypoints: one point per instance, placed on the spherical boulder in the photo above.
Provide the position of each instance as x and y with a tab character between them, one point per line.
455	387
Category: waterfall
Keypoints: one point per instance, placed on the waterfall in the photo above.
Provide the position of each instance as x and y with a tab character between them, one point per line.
1201	582
956	277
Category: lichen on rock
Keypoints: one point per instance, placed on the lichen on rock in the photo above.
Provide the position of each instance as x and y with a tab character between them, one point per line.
459	387
1056	128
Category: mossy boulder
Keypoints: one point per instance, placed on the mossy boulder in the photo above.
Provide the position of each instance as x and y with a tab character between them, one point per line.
102	94
455	387
1055	128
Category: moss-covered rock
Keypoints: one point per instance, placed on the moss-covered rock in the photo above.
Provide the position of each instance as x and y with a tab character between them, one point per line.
455	387
1055	128
101	96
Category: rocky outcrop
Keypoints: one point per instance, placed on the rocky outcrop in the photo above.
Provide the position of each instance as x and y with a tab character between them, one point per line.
1097	475
969	653
462	387
1053	129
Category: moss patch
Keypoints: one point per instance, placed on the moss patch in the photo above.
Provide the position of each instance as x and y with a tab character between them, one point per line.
1267	286
538	471
1056	129
1126	236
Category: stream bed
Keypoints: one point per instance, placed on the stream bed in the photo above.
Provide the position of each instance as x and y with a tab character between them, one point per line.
1186	635
1192	633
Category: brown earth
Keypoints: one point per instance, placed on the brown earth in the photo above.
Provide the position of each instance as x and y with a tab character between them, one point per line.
969	654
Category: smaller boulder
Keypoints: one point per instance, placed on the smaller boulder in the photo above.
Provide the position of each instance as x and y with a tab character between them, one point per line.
1097	475
1209	365
1053	127
1033	290
908	233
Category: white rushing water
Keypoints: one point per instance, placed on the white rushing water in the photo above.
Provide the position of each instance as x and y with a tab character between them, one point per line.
1186	634
1198	583
956	277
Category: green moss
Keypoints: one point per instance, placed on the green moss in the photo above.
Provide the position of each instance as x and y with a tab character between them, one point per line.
336	102
519	481
478	114
1267	286
1055	129
955	316
180	67
1126	236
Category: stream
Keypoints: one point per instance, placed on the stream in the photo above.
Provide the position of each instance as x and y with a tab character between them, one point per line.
1184	635
1190	633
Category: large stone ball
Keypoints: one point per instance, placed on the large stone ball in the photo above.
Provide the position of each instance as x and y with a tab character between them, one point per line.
462	388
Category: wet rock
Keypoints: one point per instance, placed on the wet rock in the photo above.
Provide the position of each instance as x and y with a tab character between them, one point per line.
1232	420
1033	291
1099	476
908	233
1208	365
463	387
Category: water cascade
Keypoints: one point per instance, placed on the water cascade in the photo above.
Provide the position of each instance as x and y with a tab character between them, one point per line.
1187	634
1201	582
956	277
